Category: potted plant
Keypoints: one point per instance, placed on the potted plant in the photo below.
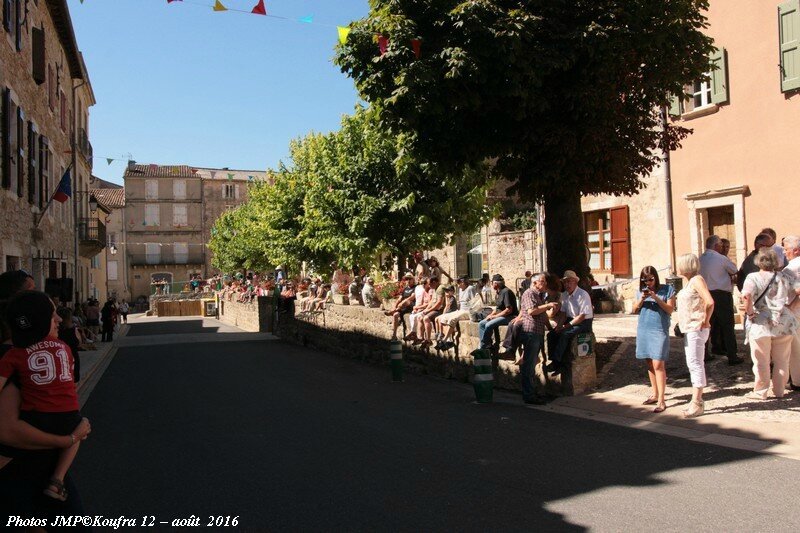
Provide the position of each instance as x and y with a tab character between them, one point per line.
388	293
340	294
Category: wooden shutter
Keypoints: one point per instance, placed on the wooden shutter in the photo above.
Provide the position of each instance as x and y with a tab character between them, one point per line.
620	241
789	37
32	162
675	106
6	134
44	171
20	152
13	143
719	77
38	55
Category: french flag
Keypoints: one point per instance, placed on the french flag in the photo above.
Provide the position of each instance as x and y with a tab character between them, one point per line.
64	190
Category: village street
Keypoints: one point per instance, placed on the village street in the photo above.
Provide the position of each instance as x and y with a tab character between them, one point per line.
192	417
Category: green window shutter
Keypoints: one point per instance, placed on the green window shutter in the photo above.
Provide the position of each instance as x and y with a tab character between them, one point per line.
675	106
789	34
719	77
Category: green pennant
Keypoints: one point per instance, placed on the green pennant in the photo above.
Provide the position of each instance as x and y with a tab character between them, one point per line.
230	176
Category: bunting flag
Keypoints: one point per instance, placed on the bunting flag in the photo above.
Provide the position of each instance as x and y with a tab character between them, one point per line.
343	33
416	44
168	1
219	7
230	176
109	160
383	44
308	19
194	171
250	178
213	173
259	9
153	167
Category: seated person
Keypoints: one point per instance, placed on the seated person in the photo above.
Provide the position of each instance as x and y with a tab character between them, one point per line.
448	321
577	305
404	304
505	311
368	295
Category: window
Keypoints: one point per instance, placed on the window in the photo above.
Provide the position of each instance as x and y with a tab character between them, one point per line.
702	94
96	261
44	171
152	215
179	189
38	61
33	151
181	252
5	132
112	270
12	263
179	215
64	112
789	34
608	240
229	191
151	190
152	252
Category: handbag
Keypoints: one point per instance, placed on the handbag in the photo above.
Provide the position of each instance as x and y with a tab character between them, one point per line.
747	321
678	332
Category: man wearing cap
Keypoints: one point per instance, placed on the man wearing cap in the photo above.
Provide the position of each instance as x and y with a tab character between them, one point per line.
368	293
449	321
505	310
577	304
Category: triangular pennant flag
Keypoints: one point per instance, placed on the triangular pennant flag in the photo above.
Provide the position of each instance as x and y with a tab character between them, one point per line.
213	173
343	33
250	178
383	43
230	176
308	20
194	171
109	160
416	44
168	1
260	8
219	7
153	167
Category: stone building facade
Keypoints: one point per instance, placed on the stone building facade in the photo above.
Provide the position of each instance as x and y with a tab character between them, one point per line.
112	197
167	219
41	71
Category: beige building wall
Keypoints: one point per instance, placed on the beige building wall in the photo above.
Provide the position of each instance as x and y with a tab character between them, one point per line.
740	164
38	112
113	198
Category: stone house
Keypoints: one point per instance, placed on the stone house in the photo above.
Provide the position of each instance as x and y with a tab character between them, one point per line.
112	197
167	219
41	79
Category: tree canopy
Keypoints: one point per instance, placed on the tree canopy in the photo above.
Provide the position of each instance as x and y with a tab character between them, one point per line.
347	197
564	95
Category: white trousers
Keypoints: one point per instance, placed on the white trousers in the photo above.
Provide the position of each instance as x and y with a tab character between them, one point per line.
694	344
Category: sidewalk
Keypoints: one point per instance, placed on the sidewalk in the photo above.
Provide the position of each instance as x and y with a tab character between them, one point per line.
772	426
93	362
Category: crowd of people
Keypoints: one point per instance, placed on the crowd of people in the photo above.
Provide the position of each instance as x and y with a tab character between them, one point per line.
769	284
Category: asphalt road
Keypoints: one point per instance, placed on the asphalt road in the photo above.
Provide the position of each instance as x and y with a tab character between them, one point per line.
286	438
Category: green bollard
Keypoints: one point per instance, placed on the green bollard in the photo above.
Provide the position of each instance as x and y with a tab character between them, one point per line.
483	381
396	360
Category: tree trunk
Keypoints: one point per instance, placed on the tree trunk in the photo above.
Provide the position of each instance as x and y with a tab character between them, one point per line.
564	234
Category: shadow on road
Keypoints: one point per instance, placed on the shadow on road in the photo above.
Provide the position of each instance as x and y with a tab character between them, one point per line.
182	326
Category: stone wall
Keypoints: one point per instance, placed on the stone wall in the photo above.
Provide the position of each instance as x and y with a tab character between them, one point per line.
255	316
511	253
364	334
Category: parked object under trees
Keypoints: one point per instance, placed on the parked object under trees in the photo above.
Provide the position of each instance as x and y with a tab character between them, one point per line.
564	95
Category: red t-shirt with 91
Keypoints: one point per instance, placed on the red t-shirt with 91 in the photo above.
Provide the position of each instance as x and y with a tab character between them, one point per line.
45	376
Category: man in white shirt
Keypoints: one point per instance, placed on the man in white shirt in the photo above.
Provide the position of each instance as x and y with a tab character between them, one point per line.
791	247
717	270
577	304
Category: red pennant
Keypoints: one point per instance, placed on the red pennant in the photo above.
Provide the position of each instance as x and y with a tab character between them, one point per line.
260	8
416	44
383	43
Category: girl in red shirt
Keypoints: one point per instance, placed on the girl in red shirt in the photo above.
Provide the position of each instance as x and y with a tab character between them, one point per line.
43	366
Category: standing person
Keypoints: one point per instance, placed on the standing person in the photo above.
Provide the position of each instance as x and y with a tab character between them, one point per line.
655	303
771	325
748	266
50	405
791	247
485	288
577	306
107	314
505	310
123	311
695	308
533	318
777	248
717	271
93	317
368	295
526	283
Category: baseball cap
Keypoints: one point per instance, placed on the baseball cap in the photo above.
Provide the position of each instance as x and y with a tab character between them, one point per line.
497	277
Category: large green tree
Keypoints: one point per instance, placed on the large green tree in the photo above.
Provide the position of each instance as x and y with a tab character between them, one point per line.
563	95
348	196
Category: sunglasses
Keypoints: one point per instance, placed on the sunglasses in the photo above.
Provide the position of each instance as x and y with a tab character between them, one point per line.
648	279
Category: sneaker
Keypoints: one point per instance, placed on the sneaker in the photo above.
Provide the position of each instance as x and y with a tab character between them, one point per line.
753	395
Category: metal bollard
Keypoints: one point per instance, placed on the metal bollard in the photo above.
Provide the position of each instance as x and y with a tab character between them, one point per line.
483	381
396	360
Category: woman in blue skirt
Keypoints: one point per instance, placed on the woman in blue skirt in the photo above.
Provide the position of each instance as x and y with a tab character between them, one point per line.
654	303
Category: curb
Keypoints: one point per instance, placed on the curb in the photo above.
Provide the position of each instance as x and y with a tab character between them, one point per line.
92	377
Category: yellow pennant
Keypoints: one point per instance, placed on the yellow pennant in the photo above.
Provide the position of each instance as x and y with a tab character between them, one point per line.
343	33
219	7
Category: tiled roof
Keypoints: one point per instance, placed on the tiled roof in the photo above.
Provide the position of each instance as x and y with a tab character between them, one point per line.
225	174
113	198
160	171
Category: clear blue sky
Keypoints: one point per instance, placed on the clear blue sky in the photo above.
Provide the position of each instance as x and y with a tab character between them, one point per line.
180	84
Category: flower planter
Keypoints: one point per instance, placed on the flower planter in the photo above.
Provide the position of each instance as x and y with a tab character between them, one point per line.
340	299
389	303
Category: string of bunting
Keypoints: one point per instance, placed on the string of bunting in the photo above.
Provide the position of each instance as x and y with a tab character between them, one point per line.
261	9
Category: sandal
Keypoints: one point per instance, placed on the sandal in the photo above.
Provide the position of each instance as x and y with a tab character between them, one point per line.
650	401
660	408
60	493
695	409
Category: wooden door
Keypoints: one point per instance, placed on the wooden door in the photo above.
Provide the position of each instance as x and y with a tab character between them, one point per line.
721	223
